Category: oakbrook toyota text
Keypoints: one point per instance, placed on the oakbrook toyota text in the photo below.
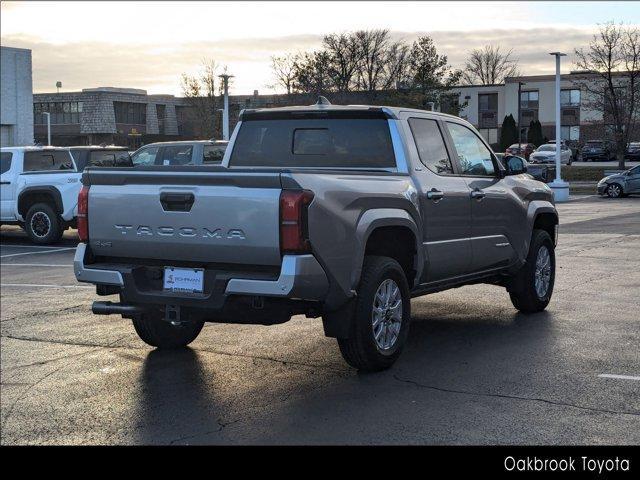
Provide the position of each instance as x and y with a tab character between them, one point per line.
569	464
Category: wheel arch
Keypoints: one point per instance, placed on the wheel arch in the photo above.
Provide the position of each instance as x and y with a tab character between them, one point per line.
45	194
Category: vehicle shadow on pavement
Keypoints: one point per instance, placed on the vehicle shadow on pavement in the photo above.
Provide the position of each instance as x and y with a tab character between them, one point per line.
174	402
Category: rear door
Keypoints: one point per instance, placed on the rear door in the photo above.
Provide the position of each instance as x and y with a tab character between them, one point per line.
9	171
444	201
633	180
493	210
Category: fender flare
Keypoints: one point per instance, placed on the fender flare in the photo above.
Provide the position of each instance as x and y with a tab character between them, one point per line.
536	208
46	190
384	217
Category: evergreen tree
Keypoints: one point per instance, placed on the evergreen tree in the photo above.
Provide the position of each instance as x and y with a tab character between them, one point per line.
534	135
508	132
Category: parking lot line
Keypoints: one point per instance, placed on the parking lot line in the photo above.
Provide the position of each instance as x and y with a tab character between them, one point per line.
36	253
24	246
619	377
35	265
23	285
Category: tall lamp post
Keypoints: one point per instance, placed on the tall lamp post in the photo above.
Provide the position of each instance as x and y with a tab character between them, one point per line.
560	187
225	113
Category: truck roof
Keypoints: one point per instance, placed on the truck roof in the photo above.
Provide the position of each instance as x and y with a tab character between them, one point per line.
32	148
390	112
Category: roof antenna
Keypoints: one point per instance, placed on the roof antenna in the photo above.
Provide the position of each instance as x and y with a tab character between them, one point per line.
322	101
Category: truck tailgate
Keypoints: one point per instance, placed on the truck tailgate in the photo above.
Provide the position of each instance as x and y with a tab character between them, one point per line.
227	218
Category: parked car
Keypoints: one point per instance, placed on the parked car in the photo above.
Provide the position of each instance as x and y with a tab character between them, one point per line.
620	184
598	151
572	145
538	172
39	191
193	152
633	151
547	154
521	150
100	156
339	212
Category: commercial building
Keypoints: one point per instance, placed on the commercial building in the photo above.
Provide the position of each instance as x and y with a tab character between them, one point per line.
124	116
16	97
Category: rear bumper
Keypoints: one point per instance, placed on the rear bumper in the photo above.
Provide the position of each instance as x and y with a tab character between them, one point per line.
301	278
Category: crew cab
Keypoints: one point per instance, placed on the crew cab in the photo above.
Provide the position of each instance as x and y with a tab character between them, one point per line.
39	191
339	212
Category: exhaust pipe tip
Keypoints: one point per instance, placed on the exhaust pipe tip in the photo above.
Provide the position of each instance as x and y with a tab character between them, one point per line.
110	308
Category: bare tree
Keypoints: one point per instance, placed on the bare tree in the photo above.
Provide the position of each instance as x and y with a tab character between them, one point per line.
344	55
311	73
284	71
488	66
200	92
396	66
373	46
612	84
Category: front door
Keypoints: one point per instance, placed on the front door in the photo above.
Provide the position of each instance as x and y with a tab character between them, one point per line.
633	180
493	210
444	201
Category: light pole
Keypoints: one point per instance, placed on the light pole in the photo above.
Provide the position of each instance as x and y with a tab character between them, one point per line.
560	187
225	113
48	127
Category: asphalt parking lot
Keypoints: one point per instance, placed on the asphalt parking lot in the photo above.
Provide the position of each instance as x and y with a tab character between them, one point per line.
475	371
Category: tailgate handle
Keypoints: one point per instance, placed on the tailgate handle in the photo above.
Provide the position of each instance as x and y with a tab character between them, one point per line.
177	202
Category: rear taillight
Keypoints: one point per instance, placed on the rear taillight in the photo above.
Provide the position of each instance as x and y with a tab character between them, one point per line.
293	221
83	210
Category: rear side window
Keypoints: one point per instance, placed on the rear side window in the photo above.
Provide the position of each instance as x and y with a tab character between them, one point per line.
335	143
5	161
430	144
47	161
213	154
177	155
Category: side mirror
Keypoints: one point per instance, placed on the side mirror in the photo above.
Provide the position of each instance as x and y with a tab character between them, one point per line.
515	166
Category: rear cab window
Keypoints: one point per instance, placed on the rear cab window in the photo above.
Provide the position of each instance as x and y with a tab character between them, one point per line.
5	162
331	142
430	144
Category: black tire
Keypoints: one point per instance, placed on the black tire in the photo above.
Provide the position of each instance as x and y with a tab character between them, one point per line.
157	332
522	290
360	350
43	224
614	190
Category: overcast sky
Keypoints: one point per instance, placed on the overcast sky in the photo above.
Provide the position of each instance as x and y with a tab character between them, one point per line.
150	44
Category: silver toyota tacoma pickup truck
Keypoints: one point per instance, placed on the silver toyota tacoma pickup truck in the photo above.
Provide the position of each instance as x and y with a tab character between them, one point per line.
339	212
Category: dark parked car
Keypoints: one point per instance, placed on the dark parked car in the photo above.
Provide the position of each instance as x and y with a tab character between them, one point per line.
598	151
540	172
620	184
633	152
521	150
100	156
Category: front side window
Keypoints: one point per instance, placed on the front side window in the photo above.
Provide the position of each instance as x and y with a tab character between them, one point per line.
177	155
47	161
474	157
145	156
213	154
430	144
5	161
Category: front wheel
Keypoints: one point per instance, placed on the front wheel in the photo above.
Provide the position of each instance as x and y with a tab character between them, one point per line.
532	286
380	324
158	332
614	191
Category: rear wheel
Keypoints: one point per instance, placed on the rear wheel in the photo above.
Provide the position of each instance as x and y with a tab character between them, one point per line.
158	332
533	285
42	224
382	314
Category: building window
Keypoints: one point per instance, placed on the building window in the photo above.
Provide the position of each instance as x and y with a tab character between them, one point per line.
130	113
570	98
161	114
570	132
488	110
490	135
529	100
61	112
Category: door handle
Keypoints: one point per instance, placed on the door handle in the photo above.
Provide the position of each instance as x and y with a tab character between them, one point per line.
435	194
5	183
478	194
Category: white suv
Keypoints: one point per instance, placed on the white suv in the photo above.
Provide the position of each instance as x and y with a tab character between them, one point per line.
40	187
